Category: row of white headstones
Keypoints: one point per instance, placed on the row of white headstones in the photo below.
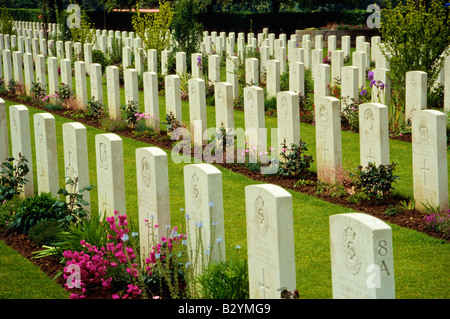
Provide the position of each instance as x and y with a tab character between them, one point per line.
429	159
361	245
31	39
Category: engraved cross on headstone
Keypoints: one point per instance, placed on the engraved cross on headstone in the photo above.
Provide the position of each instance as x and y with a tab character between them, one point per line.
425	170
370	157
325	150
263	286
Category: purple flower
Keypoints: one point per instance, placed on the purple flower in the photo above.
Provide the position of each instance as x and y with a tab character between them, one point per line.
363	92
370	75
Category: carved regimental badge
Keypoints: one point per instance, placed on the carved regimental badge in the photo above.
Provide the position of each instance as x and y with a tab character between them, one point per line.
261	216
196	193
350	253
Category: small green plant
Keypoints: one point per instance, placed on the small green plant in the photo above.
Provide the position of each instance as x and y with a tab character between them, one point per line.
38	91
408	204
12	87
35	209
45	232
129	111
64	92
376	181
99	57
12	176
294	162
75	204
392	210
6	22
171	122
350	112
270	104
306	106
95	109
225	279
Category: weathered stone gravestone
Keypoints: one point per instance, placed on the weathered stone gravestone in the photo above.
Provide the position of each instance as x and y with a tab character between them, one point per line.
251	71
110	174
153	197
288	118
76	161
273	78
270	241
297	77
113	91
223	96
447	84
362	263
151	100
349	85
197	110
173	96
46	153
254	120
80	83
131	86
416	92
430	173
96	82
21	143
373	134
328	139
204	214
4	140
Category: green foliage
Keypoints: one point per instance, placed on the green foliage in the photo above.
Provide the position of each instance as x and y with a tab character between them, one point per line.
45	232
270	103
35	209
38	91
294	162
8	209
63	92
115	54
187	31
171	122
350	112
75	203
12	176
376	182
225	280
95	109
417	35
154	28
129	112
306	105
392	210
86	31
6	22
99	57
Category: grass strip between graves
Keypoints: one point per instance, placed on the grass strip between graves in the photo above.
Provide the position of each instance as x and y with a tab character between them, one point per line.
421	262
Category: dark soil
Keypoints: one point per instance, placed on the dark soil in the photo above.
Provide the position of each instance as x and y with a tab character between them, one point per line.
412	219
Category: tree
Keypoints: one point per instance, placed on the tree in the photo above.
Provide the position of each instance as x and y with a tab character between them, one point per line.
416	37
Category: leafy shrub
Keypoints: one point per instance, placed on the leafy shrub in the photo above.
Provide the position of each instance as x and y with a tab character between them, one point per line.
99	57
64	92
350	113
45	232
306	106
12	176
95	109
376	182
425	21
129	111
294	162
270	104
38	91
225	280
35	209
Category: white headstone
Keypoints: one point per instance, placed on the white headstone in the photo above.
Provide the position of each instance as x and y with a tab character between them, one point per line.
251	71
113	89
21	143
416	92
80	83
153	197
46	153
373	134
204	213
254	120
337	62
173	96
349	85
76	161
429	150
29	72
66	73
362	263
232	64
197	109
223	96
270	241
447	84
273	78
96	82
359	60
297	77
328	139
131	86
110	174
151	100
214	68
288	118
4	140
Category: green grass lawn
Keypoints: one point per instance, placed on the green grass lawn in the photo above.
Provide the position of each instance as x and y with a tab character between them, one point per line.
421	262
